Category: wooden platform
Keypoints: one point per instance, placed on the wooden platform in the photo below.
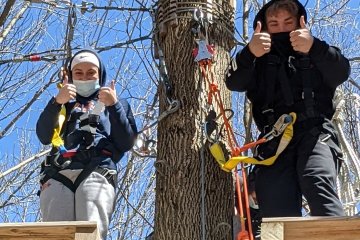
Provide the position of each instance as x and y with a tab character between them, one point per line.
49	230
311	228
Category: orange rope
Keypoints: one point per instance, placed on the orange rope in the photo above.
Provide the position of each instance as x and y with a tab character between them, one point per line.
214	93
246	196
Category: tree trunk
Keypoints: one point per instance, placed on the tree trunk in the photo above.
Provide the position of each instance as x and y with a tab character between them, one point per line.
180	210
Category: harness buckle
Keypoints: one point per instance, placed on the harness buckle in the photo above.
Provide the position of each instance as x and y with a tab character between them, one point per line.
106	172
64	164
290	62
279	127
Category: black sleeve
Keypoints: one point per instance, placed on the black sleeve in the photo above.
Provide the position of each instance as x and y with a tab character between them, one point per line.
123	126
241	71
48	120
333	66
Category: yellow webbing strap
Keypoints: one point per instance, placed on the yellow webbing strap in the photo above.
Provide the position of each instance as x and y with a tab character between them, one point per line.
218	154
227	166
57	141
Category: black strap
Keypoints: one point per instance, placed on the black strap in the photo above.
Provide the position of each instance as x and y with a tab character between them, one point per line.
285	87
85	173
51	172
271	73
305	71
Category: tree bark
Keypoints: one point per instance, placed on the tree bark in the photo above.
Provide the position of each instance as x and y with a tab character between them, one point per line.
179	209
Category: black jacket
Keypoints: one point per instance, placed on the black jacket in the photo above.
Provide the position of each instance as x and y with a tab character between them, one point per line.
248	73
265	89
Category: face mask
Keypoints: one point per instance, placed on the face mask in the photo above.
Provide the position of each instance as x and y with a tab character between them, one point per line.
280	43
87	87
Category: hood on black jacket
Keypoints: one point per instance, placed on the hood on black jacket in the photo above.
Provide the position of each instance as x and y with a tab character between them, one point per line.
102	75
261	14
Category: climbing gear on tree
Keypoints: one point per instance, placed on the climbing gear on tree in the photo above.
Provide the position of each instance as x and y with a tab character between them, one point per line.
284	126
203	56
204	51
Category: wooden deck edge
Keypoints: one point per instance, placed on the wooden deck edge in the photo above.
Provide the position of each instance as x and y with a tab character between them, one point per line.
311	228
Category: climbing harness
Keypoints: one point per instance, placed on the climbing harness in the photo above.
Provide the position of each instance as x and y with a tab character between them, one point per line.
89	158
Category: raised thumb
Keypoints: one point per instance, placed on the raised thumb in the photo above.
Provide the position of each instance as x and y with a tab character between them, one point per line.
65	79
258	27
112	84
302	22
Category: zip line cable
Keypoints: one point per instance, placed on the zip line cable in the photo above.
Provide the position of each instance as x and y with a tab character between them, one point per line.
91	7
70	28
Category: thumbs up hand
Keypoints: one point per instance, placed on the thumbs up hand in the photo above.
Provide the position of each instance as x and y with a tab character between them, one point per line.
67	91
260	42
301	39
107	95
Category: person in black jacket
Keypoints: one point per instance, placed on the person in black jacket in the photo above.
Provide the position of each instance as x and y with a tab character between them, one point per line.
285	69
90	129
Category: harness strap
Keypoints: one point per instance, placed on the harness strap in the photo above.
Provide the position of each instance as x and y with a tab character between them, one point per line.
273	62
56	140
85	173
54	174
308	94
285	87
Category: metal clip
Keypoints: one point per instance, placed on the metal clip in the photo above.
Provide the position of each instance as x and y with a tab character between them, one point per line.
174	105
290	64
85	7
198	17
105	172
279	127
63	165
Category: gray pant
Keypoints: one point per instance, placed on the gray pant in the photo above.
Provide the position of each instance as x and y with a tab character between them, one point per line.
94	200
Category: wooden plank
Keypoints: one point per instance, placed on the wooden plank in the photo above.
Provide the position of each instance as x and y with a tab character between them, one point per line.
272	231
74	230
311	228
